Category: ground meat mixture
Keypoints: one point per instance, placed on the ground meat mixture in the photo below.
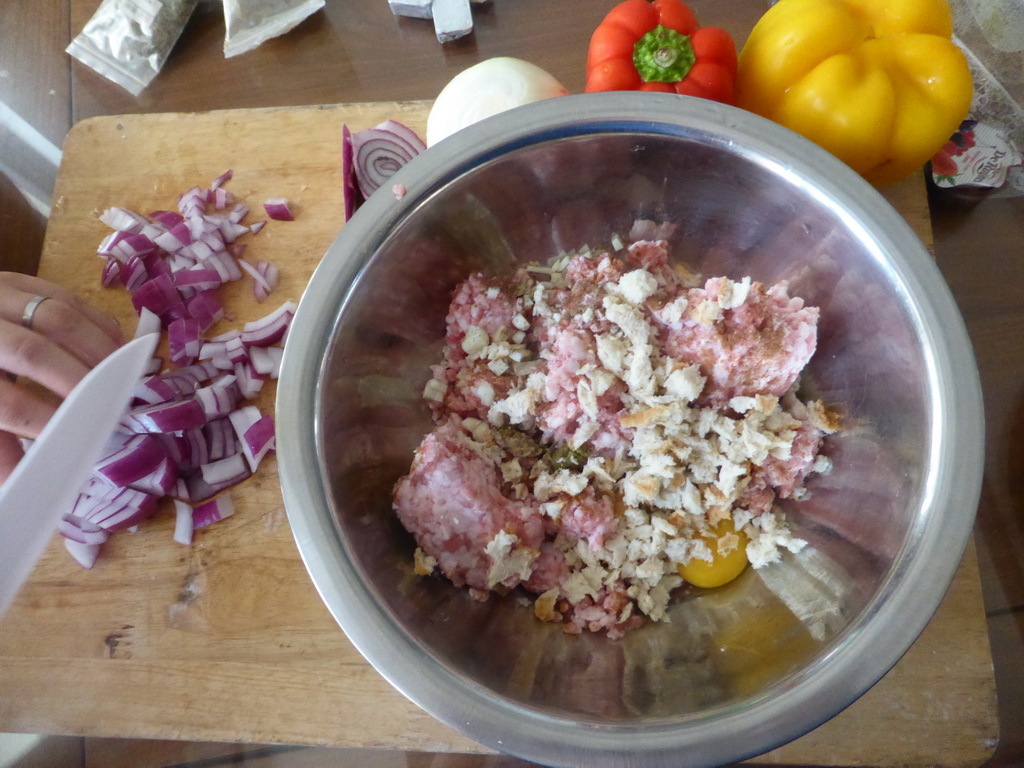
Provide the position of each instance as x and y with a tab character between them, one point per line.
597	419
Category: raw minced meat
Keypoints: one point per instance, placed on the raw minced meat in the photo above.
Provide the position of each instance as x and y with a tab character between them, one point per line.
597	419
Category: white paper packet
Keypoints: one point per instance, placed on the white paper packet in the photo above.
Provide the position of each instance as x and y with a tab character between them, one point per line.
249	23
128	41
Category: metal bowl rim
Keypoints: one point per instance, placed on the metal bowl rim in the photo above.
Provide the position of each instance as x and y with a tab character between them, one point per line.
882	634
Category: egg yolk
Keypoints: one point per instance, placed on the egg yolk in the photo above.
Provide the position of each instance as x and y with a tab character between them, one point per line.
728	558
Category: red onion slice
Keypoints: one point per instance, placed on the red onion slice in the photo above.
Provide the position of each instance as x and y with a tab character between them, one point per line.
380	151
350	184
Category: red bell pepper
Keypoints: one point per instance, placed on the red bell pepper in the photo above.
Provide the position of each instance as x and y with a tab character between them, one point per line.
659	46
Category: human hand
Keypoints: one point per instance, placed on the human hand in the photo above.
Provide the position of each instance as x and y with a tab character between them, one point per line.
48	336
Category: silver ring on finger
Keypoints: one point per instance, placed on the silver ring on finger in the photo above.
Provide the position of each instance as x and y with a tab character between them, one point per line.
29	314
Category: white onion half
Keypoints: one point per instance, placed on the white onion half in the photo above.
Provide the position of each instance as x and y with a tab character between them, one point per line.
485	89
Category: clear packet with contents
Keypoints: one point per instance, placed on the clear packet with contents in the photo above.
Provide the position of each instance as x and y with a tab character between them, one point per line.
128	41
250	23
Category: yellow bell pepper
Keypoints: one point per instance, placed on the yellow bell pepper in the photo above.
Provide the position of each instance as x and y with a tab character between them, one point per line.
878	83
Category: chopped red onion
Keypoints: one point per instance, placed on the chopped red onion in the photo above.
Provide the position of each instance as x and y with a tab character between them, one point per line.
199	278
149	322
174	239
183	525
160	297
207	308
81	530
165	417
109	242
133	273
196	448
225	472
220	180
115	508
266	361
255	433
271	328
135	458
111	272
167	218
220	398
239	212
85	554
160	481
212	511
123	220
181	442
183	340
221	440
248	381
192	203
230	231
261	286
222	198
277	209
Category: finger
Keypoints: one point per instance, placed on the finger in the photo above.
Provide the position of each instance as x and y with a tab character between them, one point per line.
23	413
26	353
33	286
10	454
67	327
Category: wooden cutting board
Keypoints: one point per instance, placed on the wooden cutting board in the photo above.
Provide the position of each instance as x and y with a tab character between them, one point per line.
227	640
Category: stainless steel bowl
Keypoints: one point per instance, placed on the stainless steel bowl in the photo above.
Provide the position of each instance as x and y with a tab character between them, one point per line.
741	669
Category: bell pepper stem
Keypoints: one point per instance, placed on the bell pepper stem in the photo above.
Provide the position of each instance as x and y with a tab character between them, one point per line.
663	56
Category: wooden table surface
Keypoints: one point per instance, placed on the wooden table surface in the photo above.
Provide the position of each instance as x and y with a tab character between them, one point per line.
356	51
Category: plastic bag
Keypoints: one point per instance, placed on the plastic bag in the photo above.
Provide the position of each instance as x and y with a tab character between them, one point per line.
249	23
128	41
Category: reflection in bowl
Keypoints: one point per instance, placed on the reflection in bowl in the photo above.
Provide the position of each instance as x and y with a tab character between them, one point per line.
740	669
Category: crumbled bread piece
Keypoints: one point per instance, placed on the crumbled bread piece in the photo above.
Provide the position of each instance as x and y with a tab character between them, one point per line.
511	564
475	341
423	564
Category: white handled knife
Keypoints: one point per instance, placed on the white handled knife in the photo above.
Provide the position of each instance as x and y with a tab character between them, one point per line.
47	479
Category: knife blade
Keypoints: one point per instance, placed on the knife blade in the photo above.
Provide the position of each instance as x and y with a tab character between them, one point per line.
46	481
